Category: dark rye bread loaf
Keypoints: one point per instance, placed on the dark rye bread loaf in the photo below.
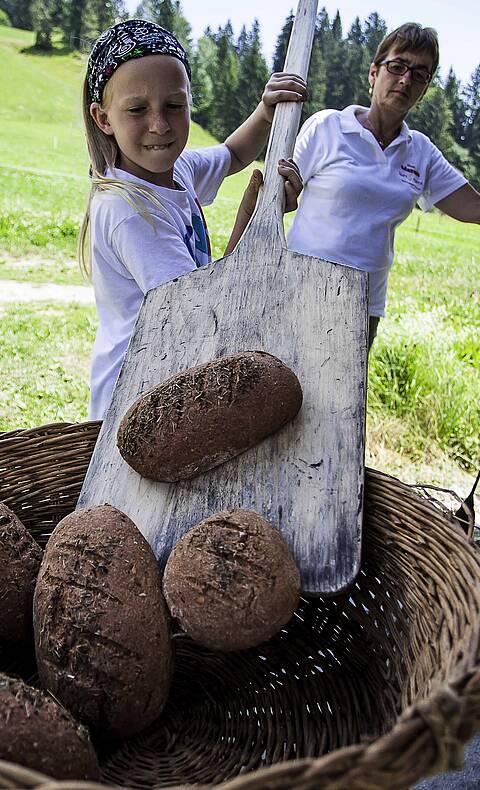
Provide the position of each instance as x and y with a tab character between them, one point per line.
208	414
20	557
37	733
231	581
102	629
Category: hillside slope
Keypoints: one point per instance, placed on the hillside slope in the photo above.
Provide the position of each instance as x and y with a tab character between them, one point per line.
41	124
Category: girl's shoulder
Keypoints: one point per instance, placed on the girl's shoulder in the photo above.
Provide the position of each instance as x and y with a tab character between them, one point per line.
193	162
111	206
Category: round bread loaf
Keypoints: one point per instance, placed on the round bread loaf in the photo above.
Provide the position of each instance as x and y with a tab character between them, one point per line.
37	733
20	557
206	415
102	629
231	581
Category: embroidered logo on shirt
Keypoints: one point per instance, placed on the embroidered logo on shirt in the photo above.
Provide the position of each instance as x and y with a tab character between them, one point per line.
410	175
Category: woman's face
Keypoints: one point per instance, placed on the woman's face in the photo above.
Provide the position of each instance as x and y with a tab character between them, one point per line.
398	93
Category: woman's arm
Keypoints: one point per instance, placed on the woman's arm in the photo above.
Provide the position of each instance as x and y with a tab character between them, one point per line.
463	204
293	186
246	142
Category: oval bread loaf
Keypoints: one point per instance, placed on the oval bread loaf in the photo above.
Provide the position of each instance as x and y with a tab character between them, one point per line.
231	581
37	733
102	629
206	415
20	557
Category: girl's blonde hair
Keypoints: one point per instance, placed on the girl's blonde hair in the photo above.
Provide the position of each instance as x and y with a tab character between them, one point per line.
103	152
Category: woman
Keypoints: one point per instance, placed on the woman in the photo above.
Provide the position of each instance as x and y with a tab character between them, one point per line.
364	169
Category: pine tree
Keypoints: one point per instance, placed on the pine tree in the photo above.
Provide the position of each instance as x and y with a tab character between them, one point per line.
474	152
356	66
355	34
453	96
334	51
316	70
322	28
203	68
160	11
225	80
471	97
18	12
253	74
75	23
282	44
43	22
337	27
316	81
101	14
433	117
169	15
242	42
374	29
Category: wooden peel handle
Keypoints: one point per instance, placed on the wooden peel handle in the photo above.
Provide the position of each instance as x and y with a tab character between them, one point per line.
269	210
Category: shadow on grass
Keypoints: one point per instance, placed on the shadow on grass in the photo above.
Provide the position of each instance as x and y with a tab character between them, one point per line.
65	49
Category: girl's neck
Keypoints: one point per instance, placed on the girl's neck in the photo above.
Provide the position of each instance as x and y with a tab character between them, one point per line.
162	179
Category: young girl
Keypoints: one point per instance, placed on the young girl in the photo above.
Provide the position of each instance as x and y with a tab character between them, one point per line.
144	216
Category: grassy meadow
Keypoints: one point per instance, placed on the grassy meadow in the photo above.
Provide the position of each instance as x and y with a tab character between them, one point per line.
424	376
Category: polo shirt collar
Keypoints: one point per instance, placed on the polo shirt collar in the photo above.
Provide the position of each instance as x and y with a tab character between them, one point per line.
349	123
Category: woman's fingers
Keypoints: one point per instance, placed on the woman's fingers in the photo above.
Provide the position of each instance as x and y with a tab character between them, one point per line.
293	183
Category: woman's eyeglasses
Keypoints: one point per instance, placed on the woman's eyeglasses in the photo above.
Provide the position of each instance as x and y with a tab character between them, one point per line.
399	68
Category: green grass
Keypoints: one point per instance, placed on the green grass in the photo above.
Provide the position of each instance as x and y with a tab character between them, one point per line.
44	363
425	367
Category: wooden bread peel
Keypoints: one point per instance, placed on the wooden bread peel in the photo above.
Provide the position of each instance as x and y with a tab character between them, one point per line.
308	478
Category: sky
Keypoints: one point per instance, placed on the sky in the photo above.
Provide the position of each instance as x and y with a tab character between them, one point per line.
456	22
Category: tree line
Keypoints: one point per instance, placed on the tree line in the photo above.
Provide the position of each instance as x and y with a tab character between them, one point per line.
229	73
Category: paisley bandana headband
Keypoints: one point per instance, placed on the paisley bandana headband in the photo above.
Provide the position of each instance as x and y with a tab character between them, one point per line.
131	39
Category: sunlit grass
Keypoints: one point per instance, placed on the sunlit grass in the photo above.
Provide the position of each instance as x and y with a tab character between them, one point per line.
44	363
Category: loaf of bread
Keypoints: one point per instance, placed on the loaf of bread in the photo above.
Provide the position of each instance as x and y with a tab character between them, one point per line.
208	414
231	581
102	629
39	734
20	557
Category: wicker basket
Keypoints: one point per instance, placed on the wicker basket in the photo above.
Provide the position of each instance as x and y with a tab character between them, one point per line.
383	681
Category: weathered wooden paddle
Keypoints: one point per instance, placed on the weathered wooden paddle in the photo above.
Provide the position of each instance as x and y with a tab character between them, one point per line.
307	478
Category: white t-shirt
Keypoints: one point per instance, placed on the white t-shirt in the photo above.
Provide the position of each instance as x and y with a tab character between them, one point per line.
355	194
130	257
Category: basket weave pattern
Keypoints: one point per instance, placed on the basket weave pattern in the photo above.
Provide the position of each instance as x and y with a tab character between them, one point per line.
403	640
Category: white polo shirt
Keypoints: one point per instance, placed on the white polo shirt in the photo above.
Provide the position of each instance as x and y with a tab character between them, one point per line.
355	195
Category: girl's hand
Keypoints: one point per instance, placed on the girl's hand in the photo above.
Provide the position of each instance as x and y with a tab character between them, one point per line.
282	87
293	186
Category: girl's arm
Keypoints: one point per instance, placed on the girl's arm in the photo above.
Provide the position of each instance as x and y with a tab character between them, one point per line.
293	186
246	142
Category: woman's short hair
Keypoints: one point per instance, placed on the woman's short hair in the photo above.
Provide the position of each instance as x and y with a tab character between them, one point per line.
411	37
